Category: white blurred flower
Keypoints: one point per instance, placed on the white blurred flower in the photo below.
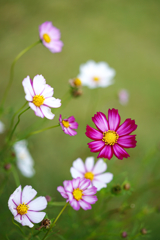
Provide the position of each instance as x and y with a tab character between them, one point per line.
95	75
123	96
24	160
2	127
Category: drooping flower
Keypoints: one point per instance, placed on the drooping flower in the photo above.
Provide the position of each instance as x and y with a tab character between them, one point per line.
123	96
110	137
68	124
24	161
93	172
78	193
2	127
24	209
95	75
50	37
39	95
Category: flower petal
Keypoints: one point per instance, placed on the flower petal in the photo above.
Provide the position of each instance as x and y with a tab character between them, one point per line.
34	108
75	204
26	222
99	185
39	84
96	146
90	191
68	186
62	191
35	217
100	121
47	112
89	163
38	204
84	183
27	84
48	91
93	133
127	141
127	127
105	177
39	113
75	183
73	125
52	102
106	152
75	173
28	194
84	205
99	167
90	199
113	119
70	131
79	165
71	119
15	200
119	152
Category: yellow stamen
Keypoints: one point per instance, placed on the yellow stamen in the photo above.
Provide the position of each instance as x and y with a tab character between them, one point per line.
110	137
46	38
77	194
77	82
38	100
89	175
65	123
22	208
96	79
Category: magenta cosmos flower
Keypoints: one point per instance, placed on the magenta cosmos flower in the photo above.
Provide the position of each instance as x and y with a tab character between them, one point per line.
24	209
39	95
50	37
68	125
96	173
78	193
111	137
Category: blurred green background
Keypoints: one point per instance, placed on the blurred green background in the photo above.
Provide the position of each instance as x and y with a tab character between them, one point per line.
126	35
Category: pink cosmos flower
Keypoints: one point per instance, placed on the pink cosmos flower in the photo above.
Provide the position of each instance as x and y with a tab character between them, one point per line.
50	37
39	95
78	193
24	209
68	125
95	173
110	137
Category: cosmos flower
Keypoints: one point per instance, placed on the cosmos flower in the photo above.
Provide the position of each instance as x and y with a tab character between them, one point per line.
110	137
78	193
68	124
50	37
2	127
93	172
39	95
24	209
95	75
123	96
24	161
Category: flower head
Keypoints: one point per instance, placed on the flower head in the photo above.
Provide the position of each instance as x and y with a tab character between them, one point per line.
24	209
93	172
39	95
95	75
24	161
50	37
78	193
110	137
123	96
68	124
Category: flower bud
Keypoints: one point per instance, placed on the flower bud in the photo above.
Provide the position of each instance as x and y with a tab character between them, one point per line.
124	234
116	189
7	166
45	223
126	186
48	198
143	231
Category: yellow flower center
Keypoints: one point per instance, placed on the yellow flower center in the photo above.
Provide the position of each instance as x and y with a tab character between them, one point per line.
38	100
22	208
89	175
46	38
110	137
65	123
96	79
77	194
77	82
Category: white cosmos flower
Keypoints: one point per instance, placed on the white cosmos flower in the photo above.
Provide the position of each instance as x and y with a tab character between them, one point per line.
24	160
24	209
39	95
93	172
2	127
95	75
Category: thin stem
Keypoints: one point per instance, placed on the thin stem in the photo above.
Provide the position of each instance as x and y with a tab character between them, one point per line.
56	204
12	70
52	225
15	175
42	130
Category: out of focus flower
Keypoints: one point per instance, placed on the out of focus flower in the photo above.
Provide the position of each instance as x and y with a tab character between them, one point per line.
24	160
95	173
2	127
75	82
68	124
111	137
143	231
124	234
79	193
50	37
95	75
24	209
7	166
39	95
123	96
48	198
127	186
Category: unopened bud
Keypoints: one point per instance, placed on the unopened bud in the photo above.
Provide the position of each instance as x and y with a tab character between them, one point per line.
45	223
7	166
127	186
143	231
48	198
116	189
124	235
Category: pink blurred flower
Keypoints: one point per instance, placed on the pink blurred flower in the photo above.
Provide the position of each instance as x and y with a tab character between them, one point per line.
111	137
78	193
123	96
50	37
68	124
24	209
39	95
95	173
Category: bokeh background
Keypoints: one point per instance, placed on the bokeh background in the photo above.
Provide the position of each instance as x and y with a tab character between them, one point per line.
126	35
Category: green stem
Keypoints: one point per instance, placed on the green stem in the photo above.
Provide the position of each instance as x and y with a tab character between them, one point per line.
52	225
15	175
12	70
56	204
42	130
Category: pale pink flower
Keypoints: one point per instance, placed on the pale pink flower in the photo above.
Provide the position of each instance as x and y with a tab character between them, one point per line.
68	124
123	96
